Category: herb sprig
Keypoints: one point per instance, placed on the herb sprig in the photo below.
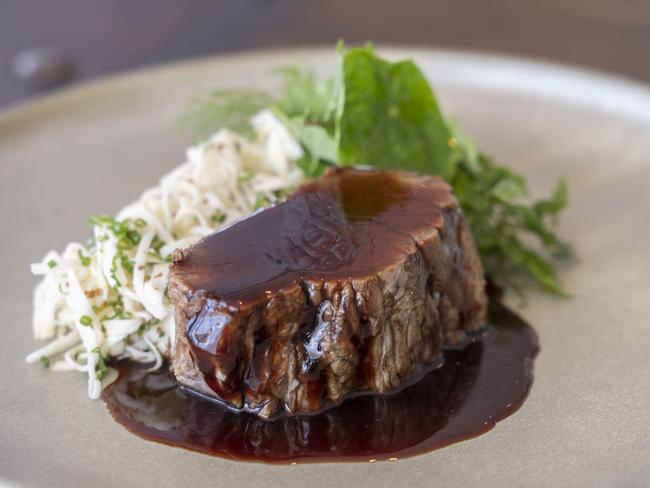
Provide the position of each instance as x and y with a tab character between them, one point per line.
383	114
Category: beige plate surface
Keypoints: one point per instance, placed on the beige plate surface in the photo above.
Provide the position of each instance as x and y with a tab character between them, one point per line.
587	421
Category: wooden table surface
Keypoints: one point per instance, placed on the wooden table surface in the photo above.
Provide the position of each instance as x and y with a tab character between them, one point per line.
105	36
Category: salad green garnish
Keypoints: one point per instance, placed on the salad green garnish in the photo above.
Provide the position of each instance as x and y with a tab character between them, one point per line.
383	114
233	106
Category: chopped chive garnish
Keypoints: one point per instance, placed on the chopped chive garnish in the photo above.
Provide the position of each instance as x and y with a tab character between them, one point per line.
52	263
157	243
145	326
126	236
114	271
101	220
86	321
260	201
245	175
283	192
101	368
118	283
85	260
134	236
218	218
127	264
45	361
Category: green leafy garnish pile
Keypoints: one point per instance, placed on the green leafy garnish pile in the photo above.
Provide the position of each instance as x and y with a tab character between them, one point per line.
383	114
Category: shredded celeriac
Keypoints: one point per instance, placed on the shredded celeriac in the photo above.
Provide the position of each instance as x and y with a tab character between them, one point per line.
108	298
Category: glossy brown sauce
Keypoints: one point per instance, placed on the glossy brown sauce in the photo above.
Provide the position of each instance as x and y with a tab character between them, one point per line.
474	388
348	224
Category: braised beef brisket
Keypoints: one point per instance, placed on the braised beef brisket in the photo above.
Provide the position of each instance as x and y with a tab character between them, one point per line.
353	284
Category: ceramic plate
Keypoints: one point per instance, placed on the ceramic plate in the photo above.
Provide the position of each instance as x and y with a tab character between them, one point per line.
92	149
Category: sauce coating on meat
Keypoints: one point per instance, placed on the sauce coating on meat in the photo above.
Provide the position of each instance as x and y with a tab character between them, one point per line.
346	226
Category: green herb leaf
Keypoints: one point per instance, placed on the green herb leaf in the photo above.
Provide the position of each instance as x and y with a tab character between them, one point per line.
303	96
51	263
311	166
45	361
224	108
503	219
315	139
391	119
320	147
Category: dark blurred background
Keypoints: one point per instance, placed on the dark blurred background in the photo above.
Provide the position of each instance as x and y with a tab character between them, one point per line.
50	43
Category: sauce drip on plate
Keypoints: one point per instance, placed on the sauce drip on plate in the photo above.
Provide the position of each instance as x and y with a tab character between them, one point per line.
473	389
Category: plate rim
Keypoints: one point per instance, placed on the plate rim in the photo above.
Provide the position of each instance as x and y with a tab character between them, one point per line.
71	97
567	81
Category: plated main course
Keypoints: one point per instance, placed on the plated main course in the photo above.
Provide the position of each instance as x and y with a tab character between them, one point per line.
319	281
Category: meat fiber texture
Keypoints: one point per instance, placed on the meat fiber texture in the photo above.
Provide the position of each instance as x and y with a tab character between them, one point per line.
353	285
